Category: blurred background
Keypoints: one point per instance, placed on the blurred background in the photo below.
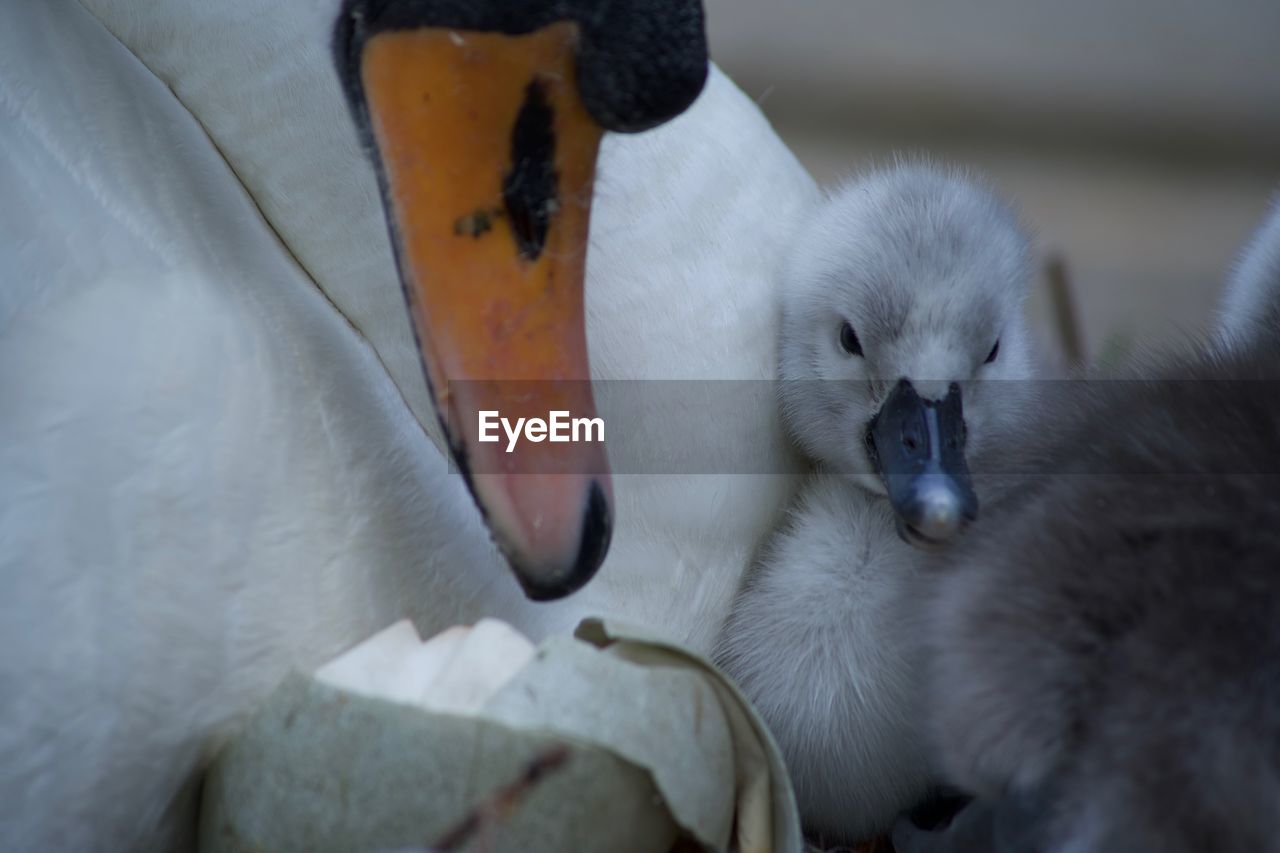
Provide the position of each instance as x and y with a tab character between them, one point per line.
1140	139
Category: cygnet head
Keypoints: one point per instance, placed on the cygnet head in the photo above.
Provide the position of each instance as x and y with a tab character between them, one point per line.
902	291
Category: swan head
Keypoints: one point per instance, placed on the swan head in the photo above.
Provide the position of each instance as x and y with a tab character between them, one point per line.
902	305
483	120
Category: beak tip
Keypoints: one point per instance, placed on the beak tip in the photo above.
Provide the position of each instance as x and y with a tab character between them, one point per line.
542	583
939	514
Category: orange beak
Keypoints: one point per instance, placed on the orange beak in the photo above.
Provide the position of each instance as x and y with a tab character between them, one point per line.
487	158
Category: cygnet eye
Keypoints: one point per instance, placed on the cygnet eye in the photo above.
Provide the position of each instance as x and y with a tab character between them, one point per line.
849	339
995	351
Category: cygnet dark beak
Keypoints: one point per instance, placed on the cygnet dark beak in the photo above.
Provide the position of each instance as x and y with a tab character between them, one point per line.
917	447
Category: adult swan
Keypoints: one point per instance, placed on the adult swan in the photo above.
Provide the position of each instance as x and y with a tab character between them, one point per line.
218	458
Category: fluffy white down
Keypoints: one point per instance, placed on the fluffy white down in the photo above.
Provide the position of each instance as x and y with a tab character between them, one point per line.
822	642
215	460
